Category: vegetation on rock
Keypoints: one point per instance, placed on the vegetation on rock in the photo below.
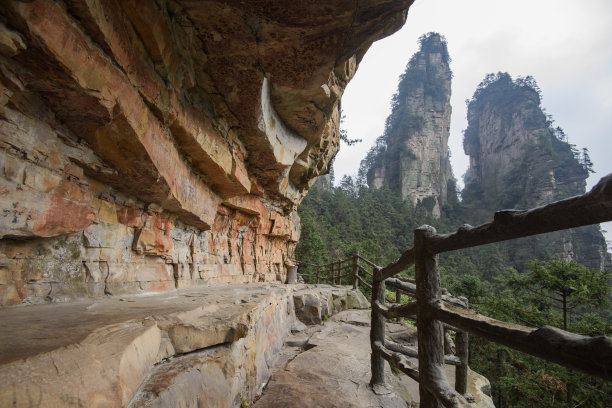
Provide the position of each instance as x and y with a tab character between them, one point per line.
499	279
414	142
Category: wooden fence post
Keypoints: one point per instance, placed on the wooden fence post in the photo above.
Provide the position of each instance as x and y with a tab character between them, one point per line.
377	329
461	371
333	273
355	270
430	331
318	271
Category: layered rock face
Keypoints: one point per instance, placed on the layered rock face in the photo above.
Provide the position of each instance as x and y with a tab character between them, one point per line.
152	145
518	160
415	159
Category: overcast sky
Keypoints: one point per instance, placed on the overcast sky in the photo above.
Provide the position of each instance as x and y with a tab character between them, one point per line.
566	45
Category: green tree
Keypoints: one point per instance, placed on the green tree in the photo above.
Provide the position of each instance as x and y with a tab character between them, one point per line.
567	284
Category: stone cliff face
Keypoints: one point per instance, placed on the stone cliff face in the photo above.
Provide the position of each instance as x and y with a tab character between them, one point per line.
504	123
518	160
152	145
414	160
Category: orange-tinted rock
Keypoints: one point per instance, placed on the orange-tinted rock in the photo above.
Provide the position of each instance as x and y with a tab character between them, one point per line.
149	145
129	216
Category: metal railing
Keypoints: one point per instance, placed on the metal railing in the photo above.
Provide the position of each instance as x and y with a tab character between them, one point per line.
434	309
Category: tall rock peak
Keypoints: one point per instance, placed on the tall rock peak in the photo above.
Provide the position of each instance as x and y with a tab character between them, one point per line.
411	157
519	160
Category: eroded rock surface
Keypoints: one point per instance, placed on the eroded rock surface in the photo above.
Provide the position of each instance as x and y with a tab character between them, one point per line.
195	347
315	303
147	146
333	370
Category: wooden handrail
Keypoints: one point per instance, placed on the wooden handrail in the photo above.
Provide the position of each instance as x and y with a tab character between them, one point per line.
592	355
398	360
364	270
404	261
394	311
593	207
435	309
414	352
364	282
370	263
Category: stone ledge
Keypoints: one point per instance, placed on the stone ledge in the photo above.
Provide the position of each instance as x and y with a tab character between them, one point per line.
99	353
157	350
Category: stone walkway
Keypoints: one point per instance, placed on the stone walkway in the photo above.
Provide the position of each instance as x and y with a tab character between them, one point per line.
205	347
328	366
212	347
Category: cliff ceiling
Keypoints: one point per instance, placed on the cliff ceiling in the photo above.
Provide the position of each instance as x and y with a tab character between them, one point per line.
142	124
242	96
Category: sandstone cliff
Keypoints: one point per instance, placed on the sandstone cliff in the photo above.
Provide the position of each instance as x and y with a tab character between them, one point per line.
146	146
412	155
518	160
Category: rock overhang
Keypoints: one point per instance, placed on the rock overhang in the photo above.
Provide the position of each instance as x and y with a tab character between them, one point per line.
173	113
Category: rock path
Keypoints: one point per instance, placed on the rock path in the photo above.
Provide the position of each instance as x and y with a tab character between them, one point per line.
331	369
328	366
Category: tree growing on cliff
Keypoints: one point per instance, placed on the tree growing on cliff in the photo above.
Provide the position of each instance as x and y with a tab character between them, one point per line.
562	285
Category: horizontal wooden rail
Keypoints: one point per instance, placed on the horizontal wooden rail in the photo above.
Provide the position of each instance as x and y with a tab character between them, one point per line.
406	279
593	207
414	352
398	360
364	282
364	270
592	355
404	261
396	310
443	392
410	289
372	264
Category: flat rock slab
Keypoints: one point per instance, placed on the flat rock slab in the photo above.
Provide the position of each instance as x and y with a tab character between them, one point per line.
200	346
333	372
31	330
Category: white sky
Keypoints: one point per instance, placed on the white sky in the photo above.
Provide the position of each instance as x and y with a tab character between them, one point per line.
566	45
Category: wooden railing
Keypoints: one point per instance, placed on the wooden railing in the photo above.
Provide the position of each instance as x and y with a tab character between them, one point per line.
351	268
434	309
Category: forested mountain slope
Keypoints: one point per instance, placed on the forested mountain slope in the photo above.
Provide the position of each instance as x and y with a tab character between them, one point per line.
518	159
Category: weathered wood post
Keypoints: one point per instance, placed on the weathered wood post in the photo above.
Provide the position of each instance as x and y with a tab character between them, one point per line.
398	299
318	272
356	270
377	329
333	273
461	371
430	331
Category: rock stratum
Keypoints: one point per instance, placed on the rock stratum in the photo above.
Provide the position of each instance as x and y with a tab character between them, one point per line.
147	146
